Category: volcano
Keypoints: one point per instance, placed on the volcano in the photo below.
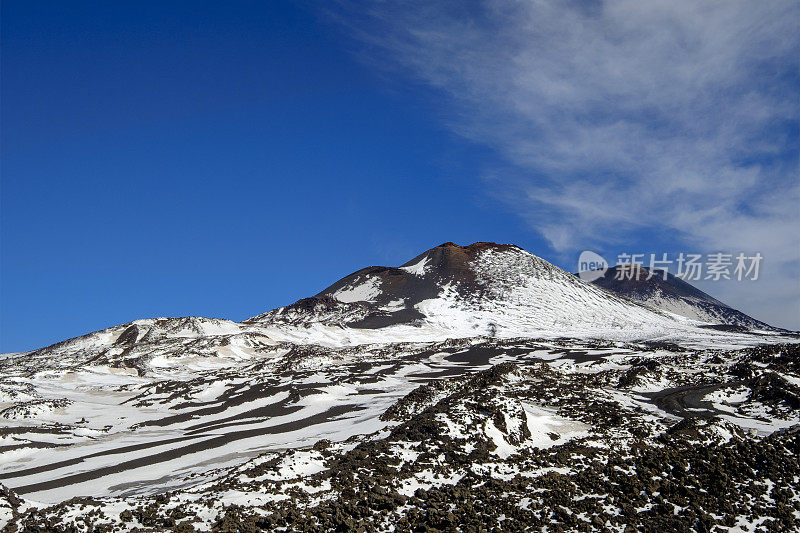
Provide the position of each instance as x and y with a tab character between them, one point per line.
480	289
664	291
476	387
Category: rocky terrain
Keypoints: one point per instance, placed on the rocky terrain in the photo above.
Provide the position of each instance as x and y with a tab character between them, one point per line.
475	388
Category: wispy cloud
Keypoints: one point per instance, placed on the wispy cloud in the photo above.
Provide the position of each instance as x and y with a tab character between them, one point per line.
623	117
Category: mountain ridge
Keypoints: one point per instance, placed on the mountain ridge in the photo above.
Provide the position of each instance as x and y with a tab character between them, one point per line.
482	289
493	287
671	293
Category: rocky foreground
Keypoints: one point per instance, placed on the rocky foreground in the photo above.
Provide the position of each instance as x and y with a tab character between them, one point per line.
525	435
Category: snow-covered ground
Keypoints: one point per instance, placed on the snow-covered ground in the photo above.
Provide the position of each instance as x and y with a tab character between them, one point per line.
466	366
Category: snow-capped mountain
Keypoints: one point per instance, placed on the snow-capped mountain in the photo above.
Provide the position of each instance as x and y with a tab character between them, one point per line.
674	295
476	386
480	289
449	291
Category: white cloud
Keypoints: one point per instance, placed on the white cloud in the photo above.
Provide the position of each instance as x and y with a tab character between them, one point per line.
622	117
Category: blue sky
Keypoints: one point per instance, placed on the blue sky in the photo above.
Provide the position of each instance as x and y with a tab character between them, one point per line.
224	158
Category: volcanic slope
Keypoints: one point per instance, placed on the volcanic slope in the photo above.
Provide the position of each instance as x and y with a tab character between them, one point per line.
462	291
672	294
474	373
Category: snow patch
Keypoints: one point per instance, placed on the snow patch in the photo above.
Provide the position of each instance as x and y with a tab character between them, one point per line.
418	269
365	291
548	429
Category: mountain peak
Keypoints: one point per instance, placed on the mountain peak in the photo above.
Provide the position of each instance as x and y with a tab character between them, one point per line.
453	257
670	293
484	288
479	245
